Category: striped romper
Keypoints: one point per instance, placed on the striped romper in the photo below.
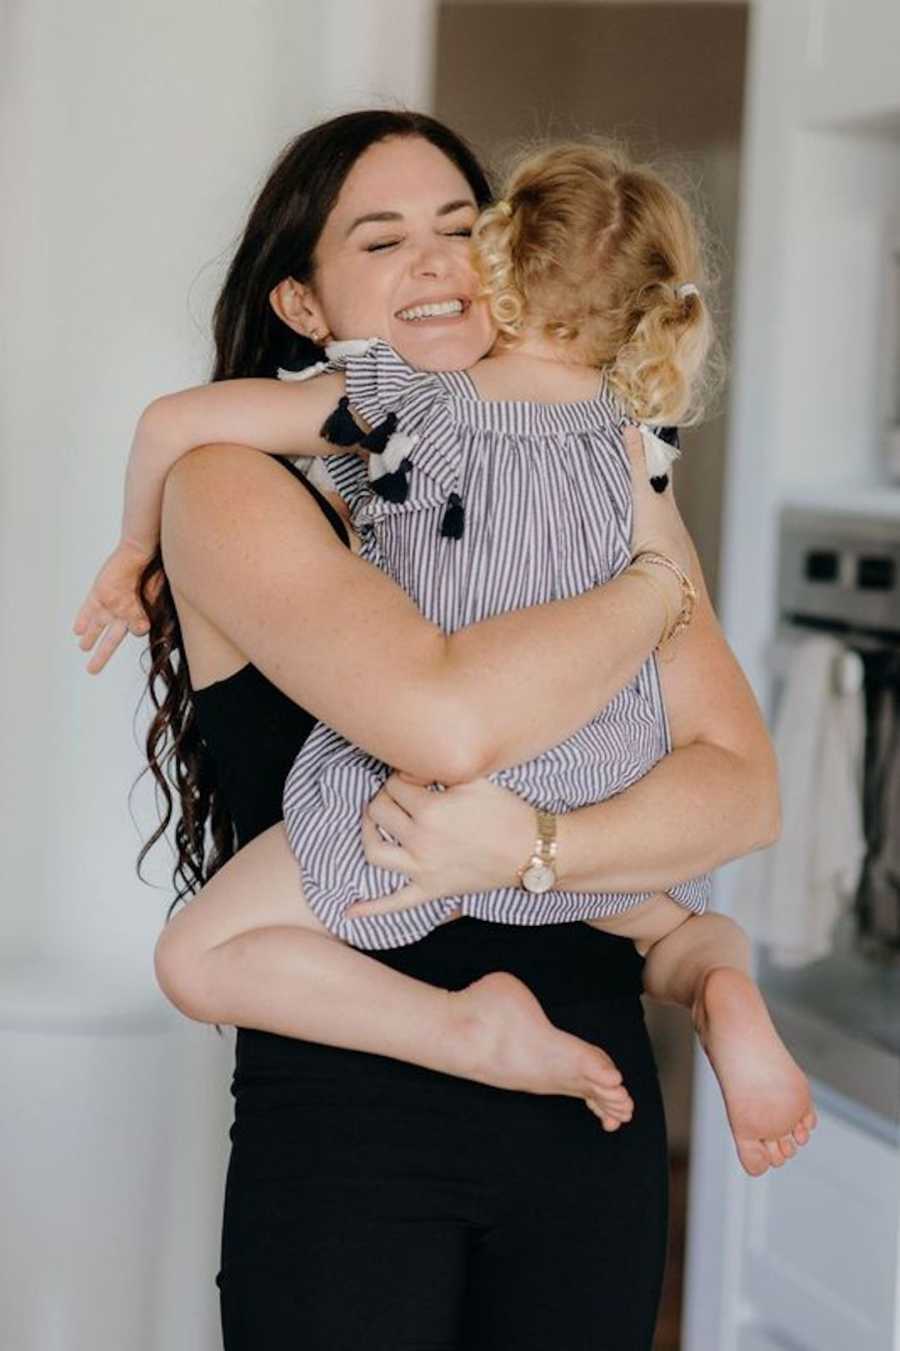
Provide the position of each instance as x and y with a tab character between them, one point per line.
539	496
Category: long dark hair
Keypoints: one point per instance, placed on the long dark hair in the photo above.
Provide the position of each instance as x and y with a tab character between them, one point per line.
279	241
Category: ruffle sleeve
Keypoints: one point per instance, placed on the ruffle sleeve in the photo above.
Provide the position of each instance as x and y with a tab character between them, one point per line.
381	386
385	406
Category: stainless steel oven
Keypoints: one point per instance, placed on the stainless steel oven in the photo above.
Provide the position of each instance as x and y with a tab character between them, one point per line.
839	574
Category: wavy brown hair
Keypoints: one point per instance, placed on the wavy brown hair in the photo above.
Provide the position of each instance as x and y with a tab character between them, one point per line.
279	241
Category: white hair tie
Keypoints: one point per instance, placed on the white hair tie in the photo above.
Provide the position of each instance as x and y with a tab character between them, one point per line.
687	288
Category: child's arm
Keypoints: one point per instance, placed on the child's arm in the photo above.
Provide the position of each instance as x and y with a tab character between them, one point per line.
280	418
277	417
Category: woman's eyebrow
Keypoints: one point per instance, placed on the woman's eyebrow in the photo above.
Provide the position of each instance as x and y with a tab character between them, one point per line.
450	207
380	216
372	216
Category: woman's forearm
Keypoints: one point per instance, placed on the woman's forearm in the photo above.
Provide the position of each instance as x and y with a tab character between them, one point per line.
714	798
529	679
700	807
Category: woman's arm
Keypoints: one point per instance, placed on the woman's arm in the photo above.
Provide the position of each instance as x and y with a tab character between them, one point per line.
713	799
248	549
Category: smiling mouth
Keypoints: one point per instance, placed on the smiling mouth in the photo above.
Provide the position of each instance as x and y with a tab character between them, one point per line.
438	309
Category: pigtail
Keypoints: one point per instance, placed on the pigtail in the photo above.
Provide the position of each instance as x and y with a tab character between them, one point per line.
658	371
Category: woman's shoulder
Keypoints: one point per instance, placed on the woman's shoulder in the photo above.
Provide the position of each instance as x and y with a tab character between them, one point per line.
211	478
219	499
241	537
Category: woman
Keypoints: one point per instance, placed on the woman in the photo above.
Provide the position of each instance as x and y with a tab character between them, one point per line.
313	1182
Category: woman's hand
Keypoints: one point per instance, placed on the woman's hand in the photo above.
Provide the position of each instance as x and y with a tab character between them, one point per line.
112	606
471	837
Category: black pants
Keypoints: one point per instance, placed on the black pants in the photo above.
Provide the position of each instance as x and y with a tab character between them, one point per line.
379	1206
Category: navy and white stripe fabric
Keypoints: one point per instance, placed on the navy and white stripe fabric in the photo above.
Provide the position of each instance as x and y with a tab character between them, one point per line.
547	496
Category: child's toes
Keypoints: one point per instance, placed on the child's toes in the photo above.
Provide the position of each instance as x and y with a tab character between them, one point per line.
614	1110
788	1148
610	1117
754	1157
800	1134
619	1102
773	1149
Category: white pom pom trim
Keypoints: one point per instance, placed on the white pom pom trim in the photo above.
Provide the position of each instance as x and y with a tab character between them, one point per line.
658	454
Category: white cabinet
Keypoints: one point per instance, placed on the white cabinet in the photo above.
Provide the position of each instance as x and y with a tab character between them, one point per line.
820	1252
806	1258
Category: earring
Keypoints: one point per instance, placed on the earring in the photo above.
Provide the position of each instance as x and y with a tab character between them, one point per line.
320	336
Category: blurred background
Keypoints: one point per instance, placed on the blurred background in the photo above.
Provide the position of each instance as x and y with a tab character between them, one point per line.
133	140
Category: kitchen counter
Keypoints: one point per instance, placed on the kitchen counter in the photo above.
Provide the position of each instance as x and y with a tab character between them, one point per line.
841	1018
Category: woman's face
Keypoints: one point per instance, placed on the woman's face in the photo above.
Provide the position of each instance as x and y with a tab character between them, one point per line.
395	246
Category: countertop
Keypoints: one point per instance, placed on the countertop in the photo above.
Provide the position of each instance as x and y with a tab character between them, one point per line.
841	1019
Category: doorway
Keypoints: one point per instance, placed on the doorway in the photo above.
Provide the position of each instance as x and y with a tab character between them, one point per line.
669	79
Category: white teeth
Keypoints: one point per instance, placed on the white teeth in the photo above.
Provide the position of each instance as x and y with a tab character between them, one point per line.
432	311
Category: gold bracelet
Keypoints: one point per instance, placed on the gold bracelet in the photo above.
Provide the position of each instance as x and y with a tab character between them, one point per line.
671	616
688	592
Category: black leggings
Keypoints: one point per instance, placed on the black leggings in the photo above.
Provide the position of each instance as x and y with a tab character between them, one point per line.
376	1205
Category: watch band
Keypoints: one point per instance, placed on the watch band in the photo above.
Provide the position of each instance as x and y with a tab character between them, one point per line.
539	873
546	844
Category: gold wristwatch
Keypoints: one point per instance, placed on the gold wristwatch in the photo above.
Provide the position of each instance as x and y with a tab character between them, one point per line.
539	873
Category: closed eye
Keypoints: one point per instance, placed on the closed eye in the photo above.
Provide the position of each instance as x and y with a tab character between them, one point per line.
381	245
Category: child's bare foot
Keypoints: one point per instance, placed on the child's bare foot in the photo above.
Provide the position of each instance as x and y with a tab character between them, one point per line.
501	1036
767	1096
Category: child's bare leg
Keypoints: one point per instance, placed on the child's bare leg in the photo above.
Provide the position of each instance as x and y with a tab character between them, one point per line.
248	951
703	963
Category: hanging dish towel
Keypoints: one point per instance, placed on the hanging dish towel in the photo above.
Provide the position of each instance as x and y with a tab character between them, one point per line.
791	896
880	893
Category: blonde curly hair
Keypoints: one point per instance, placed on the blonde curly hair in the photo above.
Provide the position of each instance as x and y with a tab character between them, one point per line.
589	248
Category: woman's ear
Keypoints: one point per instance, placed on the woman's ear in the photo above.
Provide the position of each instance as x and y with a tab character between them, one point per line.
297	307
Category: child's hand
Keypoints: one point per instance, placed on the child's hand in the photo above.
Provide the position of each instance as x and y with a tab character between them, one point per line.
112	606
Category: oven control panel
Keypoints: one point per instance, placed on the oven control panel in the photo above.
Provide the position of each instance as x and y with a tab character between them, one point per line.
839	570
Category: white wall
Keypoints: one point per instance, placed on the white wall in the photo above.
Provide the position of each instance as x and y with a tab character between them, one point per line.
132	140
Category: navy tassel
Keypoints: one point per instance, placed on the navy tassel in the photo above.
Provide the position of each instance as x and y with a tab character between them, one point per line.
379	436
340	428
393	487
454	518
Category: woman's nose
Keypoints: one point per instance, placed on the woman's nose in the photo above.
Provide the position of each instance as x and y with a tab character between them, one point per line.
431	260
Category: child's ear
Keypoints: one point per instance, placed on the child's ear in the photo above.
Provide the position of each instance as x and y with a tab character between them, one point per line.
297	307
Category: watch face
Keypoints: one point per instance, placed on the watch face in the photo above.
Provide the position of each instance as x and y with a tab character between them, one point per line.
538	877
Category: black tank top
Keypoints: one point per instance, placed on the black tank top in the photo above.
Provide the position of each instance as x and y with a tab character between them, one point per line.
252	732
